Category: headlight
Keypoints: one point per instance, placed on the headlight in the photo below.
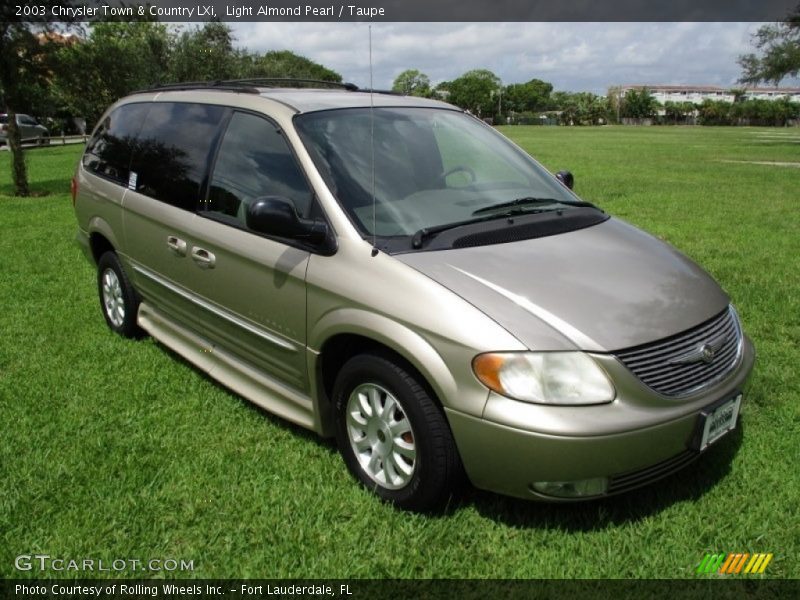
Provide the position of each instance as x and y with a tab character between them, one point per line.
567	378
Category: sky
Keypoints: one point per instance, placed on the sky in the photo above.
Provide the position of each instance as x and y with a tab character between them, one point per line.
572	56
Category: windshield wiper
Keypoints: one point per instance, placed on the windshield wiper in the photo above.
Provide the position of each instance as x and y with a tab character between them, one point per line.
518	202
488	213
525	201
426	232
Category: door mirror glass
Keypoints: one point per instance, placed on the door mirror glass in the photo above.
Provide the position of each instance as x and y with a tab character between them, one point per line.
566	178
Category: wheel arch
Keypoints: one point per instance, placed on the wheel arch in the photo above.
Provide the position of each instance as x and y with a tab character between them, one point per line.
349	332
101	238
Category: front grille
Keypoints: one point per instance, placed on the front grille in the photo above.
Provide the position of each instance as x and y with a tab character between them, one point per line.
677	366
633	479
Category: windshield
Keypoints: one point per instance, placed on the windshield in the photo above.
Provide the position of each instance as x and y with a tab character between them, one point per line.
433	167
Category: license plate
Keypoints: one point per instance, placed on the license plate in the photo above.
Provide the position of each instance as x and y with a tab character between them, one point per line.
719	421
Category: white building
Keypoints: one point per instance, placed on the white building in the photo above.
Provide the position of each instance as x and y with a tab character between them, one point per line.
697	93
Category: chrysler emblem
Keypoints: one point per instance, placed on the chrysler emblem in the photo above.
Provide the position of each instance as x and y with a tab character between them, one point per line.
707	352
701	353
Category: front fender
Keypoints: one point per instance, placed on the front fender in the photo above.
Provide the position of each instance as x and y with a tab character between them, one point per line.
403	340
409	344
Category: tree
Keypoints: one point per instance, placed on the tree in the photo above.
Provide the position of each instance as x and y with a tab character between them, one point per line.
114	60
581	108
639	104
763	112
26	51
204	54
284	64
779	48
714	112
475	91
678	111
528	97
411	82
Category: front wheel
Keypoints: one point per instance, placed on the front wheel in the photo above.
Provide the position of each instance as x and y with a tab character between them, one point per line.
118	299
392	435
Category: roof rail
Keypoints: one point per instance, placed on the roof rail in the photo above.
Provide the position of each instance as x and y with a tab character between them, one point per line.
388	92
248	85
293	82
225	86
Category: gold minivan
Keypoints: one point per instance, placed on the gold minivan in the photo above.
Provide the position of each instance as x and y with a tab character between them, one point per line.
393	272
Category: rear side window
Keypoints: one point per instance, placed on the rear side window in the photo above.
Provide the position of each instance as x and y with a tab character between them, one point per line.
254	160
108	153
173	151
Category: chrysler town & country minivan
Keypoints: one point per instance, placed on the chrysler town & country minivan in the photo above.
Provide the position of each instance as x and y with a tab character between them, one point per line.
393	272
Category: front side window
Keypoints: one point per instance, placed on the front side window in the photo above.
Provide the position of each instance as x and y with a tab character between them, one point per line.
173	151
108	153
426	168
254	161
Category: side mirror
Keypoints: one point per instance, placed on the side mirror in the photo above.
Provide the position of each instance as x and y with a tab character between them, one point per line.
276	215
566	178
273	215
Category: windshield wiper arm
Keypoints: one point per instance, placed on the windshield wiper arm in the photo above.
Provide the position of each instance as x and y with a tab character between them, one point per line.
518	202
426	232
529	201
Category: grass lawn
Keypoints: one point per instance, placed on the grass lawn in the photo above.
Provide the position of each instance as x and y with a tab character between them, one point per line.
115	449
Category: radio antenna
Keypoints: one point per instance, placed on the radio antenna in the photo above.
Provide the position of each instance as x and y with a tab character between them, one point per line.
372	145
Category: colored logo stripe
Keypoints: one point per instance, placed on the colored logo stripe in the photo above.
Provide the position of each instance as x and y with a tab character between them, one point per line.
758	563
734	563
710	563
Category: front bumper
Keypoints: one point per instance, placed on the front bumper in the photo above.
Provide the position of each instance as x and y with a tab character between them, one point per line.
653	436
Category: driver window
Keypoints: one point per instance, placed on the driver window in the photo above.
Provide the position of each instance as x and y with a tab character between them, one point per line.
254	160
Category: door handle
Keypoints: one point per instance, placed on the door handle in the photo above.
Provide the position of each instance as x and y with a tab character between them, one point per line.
203	258
177	245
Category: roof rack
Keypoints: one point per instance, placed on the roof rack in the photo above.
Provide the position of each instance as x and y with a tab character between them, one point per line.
248	85
226	86
387	92
292	82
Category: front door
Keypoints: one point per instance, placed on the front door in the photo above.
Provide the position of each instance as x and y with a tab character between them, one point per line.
256	283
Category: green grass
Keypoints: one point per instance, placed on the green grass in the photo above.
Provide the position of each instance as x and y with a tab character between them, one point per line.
117	449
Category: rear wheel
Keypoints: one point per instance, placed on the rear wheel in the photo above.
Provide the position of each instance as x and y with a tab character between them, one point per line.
392	435
118	299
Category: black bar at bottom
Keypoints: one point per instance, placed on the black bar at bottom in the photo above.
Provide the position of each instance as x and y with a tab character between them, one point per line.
704	587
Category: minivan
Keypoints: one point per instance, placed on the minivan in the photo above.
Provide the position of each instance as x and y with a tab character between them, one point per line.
393	272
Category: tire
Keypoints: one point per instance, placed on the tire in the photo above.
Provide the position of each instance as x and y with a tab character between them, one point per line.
403	451
118	300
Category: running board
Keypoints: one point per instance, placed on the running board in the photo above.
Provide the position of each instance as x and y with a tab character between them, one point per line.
228	369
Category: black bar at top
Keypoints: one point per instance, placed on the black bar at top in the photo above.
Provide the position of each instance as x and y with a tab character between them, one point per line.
412	10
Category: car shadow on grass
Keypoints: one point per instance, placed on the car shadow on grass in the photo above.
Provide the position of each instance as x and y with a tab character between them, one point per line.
328	444
688	484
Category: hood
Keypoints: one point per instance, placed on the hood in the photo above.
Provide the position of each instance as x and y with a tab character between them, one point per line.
603	288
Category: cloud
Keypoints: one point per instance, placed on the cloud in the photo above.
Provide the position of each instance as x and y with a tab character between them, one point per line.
572	56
